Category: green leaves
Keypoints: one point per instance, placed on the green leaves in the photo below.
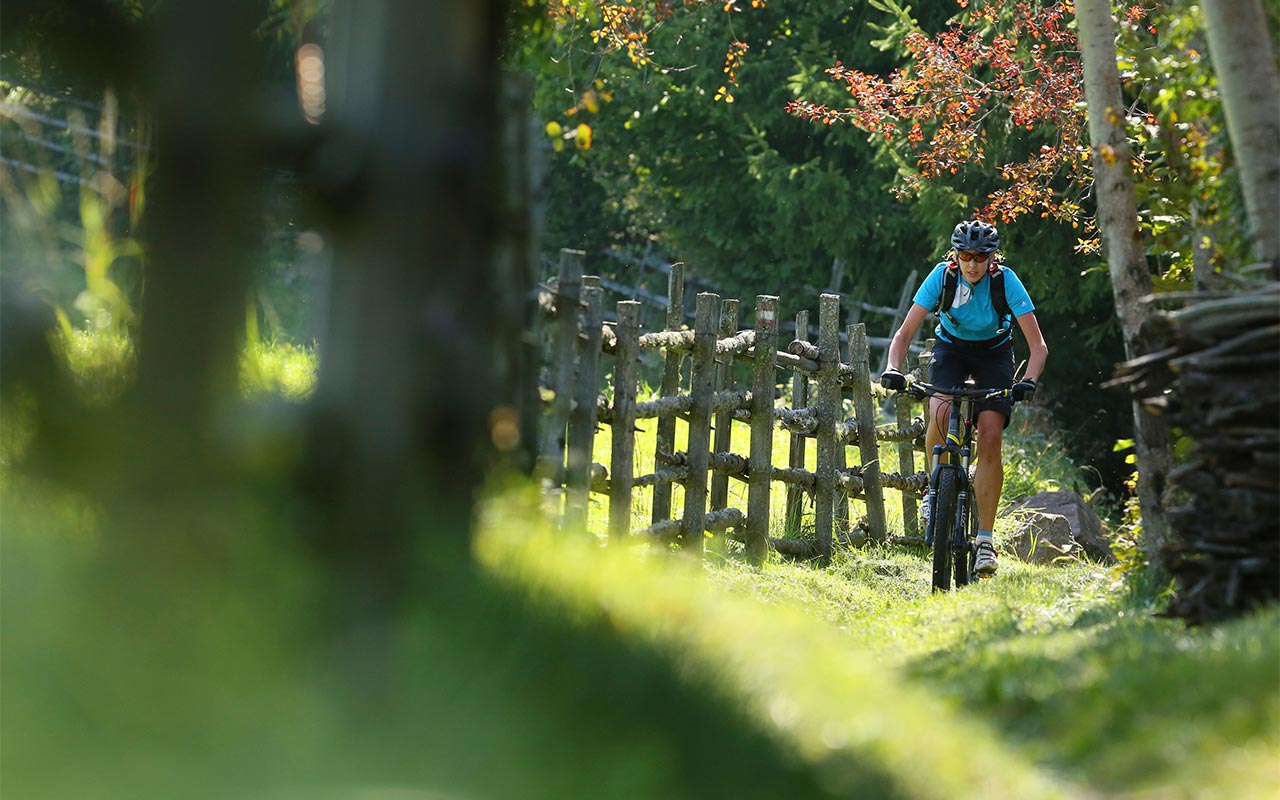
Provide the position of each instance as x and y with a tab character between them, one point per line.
756	200
897	30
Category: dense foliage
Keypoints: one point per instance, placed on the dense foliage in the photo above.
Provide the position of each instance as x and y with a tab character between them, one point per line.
718	175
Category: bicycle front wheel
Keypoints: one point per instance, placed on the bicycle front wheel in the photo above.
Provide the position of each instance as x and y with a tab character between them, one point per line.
944	521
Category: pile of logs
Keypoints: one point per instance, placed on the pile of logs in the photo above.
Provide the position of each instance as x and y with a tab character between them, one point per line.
1215	372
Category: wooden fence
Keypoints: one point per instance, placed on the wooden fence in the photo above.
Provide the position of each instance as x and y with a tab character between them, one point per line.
710	403
647	268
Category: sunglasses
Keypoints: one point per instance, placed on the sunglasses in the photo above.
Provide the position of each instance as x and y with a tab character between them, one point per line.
973	256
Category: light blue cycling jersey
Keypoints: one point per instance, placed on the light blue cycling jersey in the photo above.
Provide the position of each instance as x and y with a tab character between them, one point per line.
972	316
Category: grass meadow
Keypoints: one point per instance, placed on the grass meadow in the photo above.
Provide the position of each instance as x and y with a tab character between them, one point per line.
1044	680
576	669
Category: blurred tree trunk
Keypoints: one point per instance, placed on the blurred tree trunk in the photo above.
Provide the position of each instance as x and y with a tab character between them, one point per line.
202	224
1244	61
517	260
1126	260
408	173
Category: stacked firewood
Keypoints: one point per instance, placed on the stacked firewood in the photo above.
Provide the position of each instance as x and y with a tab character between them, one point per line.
1215	372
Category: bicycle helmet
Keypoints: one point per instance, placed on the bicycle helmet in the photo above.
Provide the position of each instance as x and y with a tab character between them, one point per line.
975	236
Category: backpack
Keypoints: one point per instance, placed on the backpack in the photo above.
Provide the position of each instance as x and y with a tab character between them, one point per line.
951	279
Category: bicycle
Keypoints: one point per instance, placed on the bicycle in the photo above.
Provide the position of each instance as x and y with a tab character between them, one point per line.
950	486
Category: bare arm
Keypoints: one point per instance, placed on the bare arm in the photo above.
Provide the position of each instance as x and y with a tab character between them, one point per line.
1035	340
902	339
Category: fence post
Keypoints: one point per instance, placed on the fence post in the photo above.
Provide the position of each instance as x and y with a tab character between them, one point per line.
906	453
828	413
841	513
922	371
763	382
868	445
795	460
551	457
622	463
924	359
582	419
724	420
705	327
666	437
906	467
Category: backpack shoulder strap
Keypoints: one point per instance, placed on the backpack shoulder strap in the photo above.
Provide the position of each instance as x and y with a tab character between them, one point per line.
998	299
950	278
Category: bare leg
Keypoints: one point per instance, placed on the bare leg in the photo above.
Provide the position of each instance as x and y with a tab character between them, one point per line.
989	478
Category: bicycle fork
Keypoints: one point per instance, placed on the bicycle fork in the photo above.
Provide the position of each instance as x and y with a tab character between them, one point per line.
936	467
931	498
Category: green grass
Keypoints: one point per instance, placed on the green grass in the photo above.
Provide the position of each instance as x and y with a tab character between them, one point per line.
1068	667
100	362
277	369
1065	662
575	670
1043	681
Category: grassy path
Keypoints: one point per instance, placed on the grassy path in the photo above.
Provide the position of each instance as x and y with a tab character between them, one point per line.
1074	673
1044	682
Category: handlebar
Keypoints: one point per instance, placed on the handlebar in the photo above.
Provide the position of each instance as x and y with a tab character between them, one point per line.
920	390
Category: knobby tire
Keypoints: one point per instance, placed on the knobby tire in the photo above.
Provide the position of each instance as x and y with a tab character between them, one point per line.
966	556
944	520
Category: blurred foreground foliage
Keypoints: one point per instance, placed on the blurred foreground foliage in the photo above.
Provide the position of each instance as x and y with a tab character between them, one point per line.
202	666
164	639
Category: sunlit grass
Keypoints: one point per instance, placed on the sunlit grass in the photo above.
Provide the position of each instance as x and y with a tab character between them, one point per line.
1067	665
285	370
101	362
1062	671
825	694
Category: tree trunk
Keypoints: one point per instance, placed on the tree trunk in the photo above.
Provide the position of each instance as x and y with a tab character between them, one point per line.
202	227
1247	77
1118	220
407	371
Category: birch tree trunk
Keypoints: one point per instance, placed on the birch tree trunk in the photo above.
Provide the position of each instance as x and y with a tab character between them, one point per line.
1126	261
1245	64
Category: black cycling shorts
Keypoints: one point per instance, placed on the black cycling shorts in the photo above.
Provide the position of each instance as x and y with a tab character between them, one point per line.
990	367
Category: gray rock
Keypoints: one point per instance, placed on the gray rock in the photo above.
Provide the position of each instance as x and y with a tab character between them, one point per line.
1042	539
1086	527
